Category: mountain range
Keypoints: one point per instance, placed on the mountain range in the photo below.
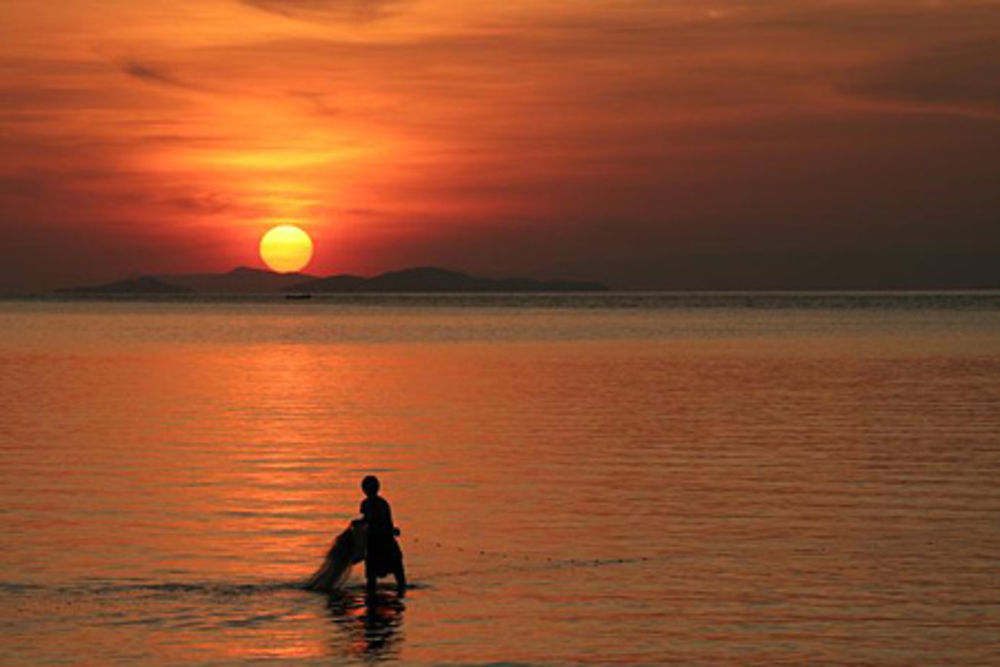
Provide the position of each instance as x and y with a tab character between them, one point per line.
245	280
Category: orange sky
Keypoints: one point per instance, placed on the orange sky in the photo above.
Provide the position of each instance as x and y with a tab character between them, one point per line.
743	143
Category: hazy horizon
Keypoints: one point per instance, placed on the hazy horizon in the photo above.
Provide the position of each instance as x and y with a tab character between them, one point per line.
818	286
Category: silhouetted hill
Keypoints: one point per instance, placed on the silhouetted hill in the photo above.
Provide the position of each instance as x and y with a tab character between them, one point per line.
242	279
140	285
432	279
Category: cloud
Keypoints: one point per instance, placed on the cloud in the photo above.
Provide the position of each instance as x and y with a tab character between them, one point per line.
23	185
962	75
156	75
208	204
359	11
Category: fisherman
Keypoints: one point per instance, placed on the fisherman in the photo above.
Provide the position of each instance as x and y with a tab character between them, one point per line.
383	555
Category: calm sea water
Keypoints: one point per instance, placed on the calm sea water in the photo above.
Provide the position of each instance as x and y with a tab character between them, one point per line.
702	479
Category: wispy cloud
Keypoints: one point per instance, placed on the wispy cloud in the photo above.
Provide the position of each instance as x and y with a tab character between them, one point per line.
329	10
156	75
961	76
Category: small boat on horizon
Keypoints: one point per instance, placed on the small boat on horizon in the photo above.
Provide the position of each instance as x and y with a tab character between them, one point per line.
298	297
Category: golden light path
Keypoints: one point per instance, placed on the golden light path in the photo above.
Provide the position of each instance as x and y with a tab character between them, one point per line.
286	248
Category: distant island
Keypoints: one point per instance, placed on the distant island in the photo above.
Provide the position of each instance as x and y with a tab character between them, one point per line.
242	279
432	279
245	280
140	285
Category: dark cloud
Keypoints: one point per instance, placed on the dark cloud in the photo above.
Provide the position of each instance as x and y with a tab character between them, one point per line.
156	75
965	75
24	185
201	204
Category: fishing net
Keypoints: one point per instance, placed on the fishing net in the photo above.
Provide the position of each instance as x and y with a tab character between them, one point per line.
347	549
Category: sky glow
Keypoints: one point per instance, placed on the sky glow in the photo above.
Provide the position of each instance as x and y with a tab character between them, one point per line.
772	143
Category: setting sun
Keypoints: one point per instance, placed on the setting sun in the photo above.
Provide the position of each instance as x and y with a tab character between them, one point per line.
286	248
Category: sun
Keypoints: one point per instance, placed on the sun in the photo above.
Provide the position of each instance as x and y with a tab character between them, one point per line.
286	248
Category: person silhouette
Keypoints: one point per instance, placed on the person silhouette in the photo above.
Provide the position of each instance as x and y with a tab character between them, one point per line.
383	555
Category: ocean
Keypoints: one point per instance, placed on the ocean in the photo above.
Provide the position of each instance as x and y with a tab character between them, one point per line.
792	478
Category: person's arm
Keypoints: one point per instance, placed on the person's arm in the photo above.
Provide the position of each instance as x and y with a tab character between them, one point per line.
392	526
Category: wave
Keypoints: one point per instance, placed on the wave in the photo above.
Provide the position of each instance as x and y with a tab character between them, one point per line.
111	587
207	588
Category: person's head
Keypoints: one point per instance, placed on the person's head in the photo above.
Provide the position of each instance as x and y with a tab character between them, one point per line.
370	485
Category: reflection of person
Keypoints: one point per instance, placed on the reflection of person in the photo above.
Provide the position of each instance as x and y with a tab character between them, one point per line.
371	630
383	555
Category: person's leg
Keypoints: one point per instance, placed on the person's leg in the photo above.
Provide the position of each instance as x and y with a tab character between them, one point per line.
370	579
